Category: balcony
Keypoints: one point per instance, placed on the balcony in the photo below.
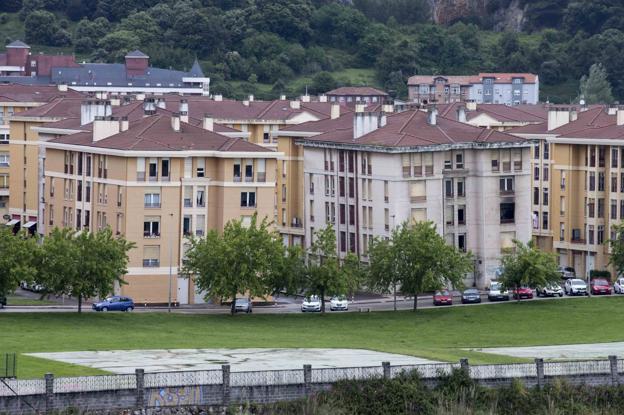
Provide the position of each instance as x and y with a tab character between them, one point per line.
140	176
578	241
199	232
261	177
151	263
151	235
237	179
188	203
249	178
152	205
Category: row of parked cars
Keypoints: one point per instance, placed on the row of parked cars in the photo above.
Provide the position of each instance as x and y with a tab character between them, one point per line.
496	292
313	304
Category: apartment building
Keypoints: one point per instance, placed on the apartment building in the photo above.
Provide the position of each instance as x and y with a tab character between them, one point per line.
381	170
15	99
156	180
135	75
484	88
577	191
352	95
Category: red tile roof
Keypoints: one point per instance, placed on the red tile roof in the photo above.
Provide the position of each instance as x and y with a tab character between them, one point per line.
412	129
322	126
154	133
58	107
33	93
586	123
540	128
357	90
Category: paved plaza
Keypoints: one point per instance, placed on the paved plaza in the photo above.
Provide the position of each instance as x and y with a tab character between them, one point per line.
126	361
570	351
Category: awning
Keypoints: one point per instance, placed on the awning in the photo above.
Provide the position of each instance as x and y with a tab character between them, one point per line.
12	222
29	224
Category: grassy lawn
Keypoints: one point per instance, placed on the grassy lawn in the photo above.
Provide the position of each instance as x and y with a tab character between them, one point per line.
15	300
433	333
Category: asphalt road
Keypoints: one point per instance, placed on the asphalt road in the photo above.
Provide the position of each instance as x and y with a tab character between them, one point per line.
364	303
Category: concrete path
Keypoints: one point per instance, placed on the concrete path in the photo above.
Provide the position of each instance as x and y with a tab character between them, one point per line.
126	361
572	351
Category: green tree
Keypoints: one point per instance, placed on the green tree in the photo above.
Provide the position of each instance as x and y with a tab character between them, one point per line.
117	44
82	265
17	261
43	28
527	265
324	273
241	260
322	82
417	258
595	88
616	259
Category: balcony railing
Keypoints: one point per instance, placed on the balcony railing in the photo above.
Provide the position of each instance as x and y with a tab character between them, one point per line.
188	203
151	205
418	199
151	234
152	263
237	178
261	176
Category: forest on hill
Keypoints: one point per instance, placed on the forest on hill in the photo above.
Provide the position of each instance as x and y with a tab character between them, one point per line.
269	47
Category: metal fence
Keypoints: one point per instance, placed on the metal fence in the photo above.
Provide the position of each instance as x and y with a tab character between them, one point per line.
302	376
8	365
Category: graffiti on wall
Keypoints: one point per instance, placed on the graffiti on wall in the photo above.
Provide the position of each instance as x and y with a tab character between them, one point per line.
175	396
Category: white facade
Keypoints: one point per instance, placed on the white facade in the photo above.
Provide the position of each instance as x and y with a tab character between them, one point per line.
458	189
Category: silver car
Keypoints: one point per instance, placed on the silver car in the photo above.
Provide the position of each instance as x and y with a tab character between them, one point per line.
339	303
243	305
312	303
575	286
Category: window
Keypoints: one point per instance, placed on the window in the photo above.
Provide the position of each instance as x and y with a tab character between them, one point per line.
591	208
562	205
164	168
188	196
386	219
351	242
187	225
507	212
79	191
152	200
236	173
546	151
326	178
614	187
4	182
563	180
459	160
200	198
341	161
545	220
386	191
495	166
461	242
506	184
88	192
461	215
592	156
600	235
545	173
153	169
51	213
119	196
199	225
342	214
536	151
590	234
343	242
261	170
614	157
601	182
327	213
341	186
461	188
4	159
545	197
248	199
80	155
613	209
249	170
601	156
151	256
536	193
351	215
151	227
561	231
448	187
536	173
200	169
601	209
283	193
351	161
351	187
311	183
448	162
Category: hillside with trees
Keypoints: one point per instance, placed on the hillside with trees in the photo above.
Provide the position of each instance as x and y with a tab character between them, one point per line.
269	47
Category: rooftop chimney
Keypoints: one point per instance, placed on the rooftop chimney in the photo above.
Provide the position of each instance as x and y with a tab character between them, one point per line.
360	107
62	87
91	108
251	98
364	123
305	98
208	122
295	105
620	115
388	108
558	116
612	110
382	119
322	98
218	97
433	116
461	113
124	124
175	121
140	97
246	103
161	103
573	114
471	106
149	107
184	117
104	127
282	97
115	101
335	111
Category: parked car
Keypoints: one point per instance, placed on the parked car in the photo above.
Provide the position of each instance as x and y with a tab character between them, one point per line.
550	290
114	303
339	302
312	303
567	273
442	297
3	301
618	287
522	292
600	286
497	292
471	295
575	286
243	305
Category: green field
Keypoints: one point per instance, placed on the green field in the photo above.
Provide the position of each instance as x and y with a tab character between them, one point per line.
432	333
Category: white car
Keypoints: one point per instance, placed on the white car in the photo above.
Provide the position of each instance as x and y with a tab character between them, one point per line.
312	303
575	286
618	287
339	303
551	290
497	292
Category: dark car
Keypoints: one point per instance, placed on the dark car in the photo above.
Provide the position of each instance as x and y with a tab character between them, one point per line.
114	303
442	297
600	286
522	292
471	295
3	301
243	305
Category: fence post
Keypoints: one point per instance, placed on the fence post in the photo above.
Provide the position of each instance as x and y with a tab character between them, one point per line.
49	391
307	379
615	378
465	366
225	370
386	369
539	367
140	388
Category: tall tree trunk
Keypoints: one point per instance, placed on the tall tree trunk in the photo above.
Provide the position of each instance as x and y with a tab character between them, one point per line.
415	301
80	303
517	294
323	300
395	309
233	306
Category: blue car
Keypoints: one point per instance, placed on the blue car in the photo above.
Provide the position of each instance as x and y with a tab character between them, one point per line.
115	303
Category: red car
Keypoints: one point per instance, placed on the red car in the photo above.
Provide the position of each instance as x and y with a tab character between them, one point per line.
522	292
600	286
442	297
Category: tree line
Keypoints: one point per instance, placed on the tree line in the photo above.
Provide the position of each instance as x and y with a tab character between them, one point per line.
244	43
